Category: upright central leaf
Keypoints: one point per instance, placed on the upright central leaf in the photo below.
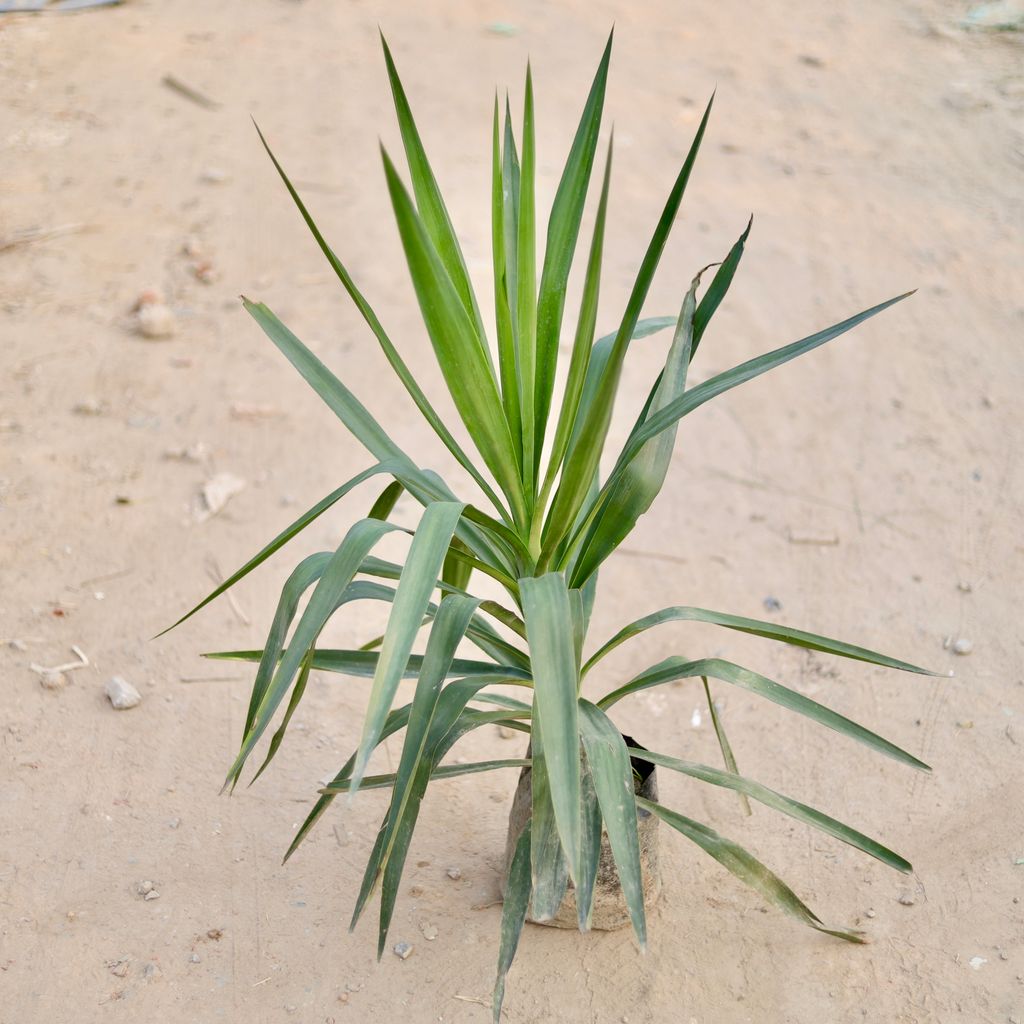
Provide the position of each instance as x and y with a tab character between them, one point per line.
549	630
526	292
428	196
581	462
618	508
460	349
563	231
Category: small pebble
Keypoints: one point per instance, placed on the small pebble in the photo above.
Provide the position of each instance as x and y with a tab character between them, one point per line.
122	694
905	899
506	733
151	972
962	646
52	680
174	823
772	604
89	407
215	934
194	958
869	913
216	493
454	874
151	895
428	930
155	320
403	950
204	271
976	963
214	176
145	887
198	452
118	968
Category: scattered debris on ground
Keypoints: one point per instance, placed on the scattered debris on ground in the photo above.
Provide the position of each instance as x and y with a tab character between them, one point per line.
121	694
216	493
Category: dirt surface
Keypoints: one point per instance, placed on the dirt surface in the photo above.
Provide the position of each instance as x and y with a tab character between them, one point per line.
872	489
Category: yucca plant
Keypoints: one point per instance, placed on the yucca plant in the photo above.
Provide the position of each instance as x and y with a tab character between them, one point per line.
546	523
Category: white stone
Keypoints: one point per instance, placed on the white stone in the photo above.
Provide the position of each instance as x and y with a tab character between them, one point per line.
155	320
122	694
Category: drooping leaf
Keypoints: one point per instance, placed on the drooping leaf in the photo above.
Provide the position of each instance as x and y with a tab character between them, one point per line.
590	848
613	782
298	691
390	352
444	771
461	691
549	869
697	396
756	627
336	576
364	664
396	720
548	615
449	723
356	591
448	629
450	624
419	577
513	915
303	576
768	797
284	536
748	870
676	668
422	485
723	742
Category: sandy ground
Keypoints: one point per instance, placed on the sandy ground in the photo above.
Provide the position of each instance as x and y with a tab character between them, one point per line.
873	489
